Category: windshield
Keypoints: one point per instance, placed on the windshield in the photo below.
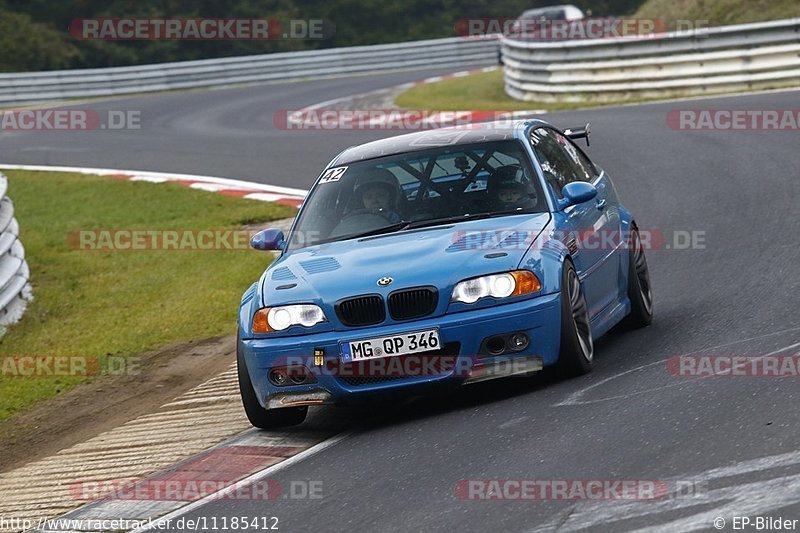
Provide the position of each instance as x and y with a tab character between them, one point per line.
442	185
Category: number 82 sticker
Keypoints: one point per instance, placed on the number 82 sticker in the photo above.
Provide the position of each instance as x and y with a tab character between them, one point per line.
332	174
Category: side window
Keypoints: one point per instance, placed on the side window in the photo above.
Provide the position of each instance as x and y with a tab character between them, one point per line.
587	170
562	162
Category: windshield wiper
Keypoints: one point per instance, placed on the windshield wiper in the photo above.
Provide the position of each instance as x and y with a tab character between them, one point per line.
465	217
403	224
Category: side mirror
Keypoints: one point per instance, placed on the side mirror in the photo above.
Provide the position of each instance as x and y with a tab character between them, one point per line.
268	239
576	192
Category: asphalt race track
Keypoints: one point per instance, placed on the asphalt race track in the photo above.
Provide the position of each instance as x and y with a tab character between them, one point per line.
736	438
228	133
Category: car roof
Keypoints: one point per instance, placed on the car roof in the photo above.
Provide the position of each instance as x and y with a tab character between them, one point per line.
568	11
433	138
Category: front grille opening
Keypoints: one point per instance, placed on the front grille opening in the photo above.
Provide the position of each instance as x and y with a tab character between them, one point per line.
413	303
434	363
361	311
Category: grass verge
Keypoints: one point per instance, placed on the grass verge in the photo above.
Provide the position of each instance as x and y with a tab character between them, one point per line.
719	12
482	91
95	304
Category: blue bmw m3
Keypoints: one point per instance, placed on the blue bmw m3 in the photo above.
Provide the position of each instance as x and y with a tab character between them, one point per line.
442	257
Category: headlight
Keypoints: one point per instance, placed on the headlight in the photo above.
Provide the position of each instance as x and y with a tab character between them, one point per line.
280	318
514	283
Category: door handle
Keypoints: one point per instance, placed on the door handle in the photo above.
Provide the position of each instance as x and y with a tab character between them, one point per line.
601	204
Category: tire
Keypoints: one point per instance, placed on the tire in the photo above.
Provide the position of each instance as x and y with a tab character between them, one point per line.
256	414
639	291
576	355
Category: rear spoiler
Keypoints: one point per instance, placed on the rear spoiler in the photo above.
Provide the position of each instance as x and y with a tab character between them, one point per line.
579	133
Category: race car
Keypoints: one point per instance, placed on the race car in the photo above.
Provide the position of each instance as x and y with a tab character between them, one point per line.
440	258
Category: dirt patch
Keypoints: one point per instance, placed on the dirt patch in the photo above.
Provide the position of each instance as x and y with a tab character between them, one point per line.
105	403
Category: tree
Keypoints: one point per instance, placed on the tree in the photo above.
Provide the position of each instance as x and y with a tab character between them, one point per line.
29	45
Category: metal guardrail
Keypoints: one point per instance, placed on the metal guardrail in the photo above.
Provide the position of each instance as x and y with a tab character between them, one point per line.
704	61
25	87
15	289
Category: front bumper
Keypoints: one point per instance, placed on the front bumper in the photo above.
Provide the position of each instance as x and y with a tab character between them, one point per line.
462	337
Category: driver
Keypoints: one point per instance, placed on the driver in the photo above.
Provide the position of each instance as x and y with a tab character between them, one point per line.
379	192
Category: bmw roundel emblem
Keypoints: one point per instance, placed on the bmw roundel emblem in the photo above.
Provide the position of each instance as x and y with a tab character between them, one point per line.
384	281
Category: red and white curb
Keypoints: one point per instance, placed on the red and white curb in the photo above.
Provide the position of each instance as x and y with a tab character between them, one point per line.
243	486
173	453
226	186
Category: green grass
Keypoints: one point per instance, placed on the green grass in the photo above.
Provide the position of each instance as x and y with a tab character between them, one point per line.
482	91
99	303
719	12
477	92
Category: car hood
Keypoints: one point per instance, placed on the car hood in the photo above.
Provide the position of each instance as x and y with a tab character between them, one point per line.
438	256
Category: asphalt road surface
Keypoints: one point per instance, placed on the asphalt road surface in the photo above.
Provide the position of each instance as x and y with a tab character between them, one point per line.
733	440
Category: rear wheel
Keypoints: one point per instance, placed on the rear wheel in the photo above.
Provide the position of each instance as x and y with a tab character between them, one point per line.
639	292
258	416
577	348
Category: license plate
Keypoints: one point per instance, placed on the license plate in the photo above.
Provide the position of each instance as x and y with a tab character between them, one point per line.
391	345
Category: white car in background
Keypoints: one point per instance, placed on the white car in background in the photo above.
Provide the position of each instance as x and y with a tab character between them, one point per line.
531	23
563	12
525	26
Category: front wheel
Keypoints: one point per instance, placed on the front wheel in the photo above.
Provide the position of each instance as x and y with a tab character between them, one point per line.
256	414
576	355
